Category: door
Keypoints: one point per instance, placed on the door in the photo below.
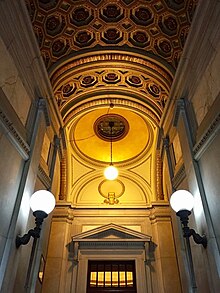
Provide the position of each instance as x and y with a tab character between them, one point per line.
111	276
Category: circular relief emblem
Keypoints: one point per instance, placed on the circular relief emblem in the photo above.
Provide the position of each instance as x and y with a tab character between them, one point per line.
111	126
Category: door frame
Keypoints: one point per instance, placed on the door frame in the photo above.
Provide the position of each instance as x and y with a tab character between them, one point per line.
143	279
111	242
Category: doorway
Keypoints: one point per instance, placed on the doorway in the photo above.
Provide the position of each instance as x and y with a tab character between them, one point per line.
111	276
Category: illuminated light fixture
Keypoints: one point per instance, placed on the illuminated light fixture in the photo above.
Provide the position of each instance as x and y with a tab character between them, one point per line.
42	202
182	202
111	172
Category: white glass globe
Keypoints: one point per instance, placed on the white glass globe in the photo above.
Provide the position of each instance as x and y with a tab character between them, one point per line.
111	172
182	200
42	200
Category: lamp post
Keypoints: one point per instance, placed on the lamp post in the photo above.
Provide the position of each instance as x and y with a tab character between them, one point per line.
42	202
182	202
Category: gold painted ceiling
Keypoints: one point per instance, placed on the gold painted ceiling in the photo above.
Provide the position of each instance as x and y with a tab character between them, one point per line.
105	58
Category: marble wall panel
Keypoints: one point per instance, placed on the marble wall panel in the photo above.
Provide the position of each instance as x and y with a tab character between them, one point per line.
208	88
12	85
210	171
165	266
51	281
45	148
177	149
11	165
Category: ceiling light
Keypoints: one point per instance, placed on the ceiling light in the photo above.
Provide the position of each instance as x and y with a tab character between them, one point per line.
111	172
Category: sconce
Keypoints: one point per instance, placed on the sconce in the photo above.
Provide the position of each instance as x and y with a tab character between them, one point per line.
182	203
42	202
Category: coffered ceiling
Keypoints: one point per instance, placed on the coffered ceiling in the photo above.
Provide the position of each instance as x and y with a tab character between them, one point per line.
66	27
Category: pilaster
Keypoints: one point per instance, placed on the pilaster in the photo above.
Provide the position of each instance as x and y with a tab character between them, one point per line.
165	273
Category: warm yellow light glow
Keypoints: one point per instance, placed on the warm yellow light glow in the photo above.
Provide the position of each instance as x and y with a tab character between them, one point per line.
122	279
114	279
111	172
100	279
93	277
130	279
107	279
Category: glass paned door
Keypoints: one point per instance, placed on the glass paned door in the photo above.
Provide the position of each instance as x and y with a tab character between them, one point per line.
111	276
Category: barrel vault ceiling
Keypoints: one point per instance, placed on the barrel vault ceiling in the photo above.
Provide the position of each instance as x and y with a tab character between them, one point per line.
111	61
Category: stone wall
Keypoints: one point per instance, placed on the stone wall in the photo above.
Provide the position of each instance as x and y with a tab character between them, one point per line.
26	116
193	116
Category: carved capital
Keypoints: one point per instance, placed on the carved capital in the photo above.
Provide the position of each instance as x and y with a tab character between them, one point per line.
180	107
43	106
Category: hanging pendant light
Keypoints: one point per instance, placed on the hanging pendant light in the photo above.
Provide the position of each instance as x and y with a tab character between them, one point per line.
111	172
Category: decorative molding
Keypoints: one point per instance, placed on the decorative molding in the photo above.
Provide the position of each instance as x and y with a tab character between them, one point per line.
43	106
43	174
166	142
107	25
117	102
76	251
62	143
148	85
160	213
207	138
111	244
166	145
14	136
111	232
127	57
111	236
63	212
63	176
178	177
111	195
159	170
180	107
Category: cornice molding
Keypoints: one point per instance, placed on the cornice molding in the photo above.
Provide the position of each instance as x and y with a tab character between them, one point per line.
160	213
43	174
43	106
179	176
180	107
123	57
117	102
111	236
207	138
112	244
14	136
63	212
